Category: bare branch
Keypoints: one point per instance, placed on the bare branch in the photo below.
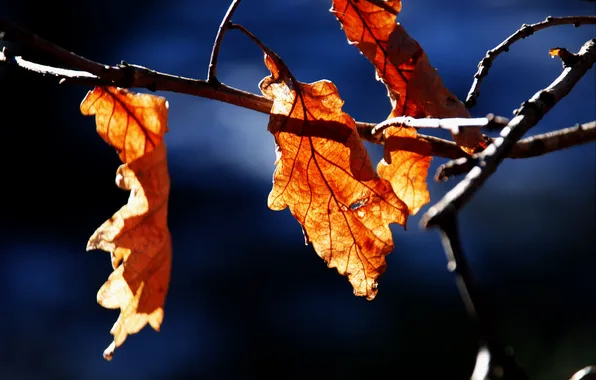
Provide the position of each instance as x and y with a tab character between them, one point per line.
156	81
494	358
526	117
440	147
125	75
45	70
451	124
66	57
134	76
223	27
537	145
521	33
557	140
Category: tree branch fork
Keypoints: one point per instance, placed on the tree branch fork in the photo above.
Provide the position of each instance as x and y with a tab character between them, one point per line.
494	359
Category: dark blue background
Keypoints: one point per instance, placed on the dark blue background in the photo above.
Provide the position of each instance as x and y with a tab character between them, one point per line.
247	298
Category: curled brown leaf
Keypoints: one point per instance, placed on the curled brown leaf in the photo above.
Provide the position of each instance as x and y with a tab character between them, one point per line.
137	236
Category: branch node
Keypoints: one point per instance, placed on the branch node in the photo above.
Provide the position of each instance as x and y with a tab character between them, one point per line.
128	72
486	62
526	30
547	98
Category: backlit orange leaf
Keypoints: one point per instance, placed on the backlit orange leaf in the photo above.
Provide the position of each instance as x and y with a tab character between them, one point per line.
134	124
414	88
137	236
324	175
407	171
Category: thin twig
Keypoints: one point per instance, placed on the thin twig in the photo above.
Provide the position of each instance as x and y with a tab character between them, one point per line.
521	33
126	75
26	38
529	147
494	358
134	76
557	140
527	116
225	22
439	147
451	124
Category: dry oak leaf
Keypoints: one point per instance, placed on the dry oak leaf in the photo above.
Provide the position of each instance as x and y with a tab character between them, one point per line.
137	236
414	86
134	124
324	175
407	171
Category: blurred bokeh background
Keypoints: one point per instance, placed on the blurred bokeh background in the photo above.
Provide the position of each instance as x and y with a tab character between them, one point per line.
247	299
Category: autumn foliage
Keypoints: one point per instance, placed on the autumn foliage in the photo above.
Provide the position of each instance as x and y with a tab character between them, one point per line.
323	172
326	178
413	85
137	236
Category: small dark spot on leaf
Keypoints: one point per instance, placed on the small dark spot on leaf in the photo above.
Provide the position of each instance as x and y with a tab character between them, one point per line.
359	203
